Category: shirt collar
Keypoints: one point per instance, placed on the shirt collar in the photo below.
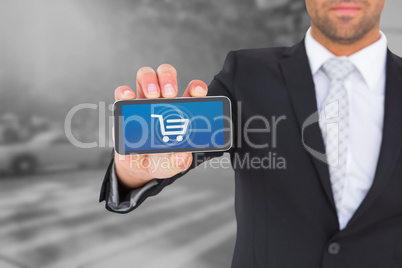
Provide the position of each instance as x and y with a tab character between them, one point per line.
370	61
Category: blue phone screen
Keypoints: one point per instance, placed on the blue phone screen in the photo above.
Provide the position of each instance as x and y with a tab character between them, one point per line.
173	125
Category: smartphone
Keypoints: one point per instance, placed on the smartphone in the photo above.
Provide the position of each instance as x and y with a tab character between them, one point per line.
151	126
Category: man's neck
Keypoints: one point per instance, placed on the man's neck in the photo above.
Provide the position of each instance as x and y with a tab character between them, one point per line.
339	49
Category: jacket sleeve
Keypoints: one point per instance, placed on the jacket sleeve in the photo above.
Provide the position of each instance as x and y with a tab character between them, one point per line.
120	199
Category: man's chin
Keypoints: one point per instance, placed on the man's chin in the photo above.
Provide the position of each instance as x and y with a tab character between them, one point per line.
347	31
345	38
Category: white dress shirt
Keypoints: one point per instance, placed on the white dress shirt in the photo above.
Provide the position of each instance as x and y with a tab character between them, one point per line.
366	90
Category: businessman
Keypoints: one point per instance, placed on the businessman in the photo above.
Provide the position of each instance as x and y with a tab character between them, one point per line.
338	201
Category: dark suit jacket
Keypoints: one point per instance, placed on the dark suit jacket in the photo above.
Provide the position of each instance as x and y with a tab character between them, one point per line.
286	217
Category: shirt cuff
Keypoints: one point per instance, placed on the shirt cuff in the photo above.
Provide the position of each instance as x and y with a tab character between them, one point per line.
115	201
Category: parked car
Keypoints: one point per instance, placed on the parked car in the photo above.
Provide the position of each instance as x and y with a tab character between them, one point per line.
48	149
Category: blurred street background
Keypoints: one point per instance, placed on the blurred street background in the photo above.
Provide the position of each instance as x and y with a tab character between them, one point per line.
56	55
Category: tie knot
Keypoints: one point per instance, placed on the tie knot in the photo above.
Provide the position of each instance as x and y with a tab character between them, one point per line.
338	68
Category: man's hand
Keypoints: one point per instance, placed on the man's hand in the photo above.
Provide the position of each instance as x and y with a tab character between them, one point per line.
136	170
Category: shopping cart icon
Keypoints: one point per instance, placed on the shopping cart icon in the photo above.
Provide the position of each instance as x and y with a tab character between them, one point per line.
166	133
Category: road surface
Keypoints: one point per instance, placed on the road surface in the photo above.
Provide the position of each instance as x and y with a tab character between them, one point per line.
53	219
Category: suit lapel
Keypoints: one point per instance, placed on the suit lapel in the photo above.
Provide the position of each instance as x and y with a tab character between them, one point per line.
392	134
299	81
298	78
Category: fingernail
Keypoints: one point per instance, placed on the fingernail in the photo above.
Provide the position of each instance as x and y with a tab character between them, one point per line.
152	88
127	93
199	89
169	90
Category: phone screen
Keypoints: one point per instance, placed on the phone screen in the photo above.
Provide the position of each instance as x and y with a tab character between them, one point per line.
173	125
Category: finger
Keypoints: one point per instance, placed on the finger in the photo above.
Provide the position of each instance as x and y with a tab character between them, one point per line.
196	88
181	161
147	84
167	77
168	165
129	167
124	93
